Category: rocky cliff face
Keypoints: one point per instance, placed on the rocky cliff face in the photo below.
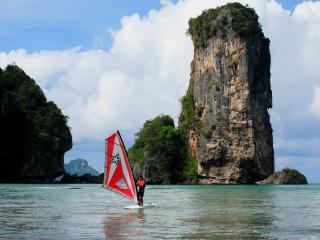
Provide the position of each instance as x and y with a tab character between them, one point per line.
231	135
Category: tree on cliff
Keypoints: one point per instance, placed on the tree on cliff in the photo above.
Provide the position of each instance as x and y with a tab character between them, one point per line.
217	22
158	150
33	132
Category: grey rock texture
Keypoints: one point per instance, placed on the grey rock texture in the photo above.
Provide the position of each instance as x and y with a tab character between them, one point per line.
230	83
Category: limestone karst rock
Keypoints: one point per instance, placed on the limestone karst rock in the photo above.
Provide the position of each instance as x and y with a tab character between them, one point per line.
230	133
34	134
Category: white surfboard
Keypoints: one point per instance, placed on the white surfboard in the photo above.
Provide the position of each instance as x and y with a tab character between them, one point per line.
147	205
134	207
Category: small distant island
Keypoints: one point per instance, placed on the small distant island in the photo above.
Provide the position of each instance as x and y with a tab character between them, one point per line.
80	167
79	171
286	176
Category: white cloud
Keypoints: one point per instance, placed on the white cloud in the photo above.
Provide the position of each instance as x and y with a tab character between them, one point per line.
147	69
298	147
315	105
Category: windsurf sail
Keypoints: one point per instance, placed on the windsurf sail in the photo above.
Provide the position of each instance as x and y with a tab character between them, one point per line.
117	174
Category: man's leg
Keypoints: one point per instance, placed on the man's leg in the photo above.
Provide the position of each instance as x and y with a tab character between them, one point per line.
141	195
139	199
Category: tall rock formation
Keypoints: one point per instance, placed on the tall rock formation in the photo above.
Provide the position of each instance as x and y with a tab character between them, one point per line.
228	128
34	134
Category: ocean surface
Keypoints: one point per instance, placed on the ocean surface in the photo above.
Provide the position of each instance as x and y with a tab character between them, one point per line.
182	212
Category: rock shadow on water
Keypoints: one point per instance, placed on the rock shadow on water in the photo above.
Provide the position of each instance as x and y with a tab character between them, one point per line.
124	225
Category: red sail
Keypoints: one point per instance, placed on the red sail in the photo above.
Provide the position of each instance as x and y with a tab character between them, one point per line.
118	175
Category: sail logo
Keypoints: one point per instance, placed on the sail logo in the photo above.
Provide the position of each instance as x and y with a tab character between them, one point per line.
115	159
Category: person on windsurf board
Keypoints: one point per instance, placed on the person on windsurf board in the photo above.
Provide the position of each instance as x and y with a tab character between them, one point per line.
140	185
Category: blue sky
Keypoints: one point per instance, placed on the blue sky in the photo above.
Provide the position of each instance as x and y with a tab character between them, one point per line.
80	52
57	25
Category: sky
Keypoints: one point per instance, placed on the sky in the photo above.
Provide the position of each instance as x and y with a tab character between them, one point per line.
115	64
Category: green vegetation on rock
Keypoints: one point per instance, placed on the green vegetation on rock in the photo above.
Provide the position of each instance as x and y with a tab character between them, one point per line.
286	176
33	132
242	19
159	152
188	118
294	174
157	149
190	169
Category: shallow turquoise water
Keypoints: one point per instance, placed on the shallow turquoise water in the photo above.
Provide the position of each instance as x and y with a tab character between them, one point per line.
183	212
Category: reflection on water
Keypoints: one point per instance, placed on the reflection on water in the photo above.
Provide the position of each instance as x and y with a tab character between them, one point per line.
122	225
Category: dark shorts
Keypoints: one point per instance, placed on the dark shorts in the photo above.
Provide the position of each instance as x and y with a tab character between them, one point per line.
141	192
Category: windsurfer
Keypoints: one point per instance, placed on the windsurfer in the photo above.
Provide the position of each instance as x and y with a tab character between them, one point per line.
141	185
